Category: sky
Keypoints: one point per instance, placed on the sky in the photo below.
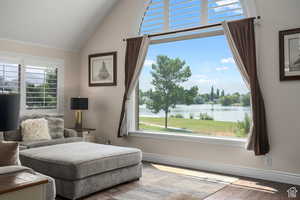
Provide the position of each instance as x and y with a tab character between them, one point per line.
209	59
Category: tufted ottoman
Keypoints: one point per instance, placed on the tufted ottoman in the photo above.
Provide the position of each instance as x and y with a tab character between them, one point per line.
82	168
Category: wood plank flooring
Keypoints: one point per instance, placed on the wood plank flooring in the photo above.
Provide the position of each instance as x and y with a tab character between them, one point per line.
234	188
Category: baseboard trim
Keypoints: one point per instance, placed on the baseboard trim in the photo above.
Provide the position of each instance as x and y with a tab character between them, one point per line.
270	175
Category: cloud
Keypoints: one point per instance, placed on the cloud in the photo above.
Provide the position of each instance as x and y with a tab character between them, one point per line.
226	7
223	68
228	60
148	63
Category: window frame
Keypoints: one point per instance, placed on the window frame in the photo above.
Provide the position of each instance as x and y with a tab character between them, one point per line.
23	60
248	8
133	116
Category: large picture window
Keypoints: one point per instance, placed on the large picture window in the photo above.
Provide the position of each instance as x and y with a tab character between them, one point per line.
193	87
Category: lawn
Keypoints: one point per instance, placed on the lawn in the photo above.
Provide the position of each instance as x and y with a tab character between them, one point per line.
194	126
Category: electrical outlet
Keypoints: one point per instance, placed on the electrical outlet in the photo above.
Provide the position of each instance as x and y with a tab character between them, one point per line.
268	160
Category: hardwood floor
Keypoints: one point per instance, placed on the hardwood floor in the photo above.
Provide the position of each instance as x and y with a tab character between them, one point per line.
172	183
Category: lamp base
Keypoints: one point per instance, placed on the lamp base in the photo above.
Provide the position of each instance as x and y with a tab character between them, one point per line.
78	119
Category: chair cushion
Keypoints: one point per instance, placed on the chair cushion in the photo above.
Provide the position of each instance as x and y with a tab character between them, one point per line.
78	160
9	153
41	143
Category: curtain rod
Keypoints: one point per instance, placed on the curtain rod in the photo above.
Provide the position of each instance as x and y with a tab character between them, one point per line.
192	29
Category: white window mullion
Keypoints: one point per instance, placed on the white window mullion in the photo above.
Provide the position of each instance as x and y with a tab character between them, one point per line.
204	12
166	15
23	88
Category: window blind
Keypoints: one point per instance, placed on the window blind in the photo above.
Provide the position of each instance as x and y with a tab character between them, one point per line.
41	87
9	77
168	15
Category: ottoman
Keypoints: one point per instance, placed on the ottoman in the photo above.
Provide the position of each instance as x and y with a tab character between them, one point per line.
83	168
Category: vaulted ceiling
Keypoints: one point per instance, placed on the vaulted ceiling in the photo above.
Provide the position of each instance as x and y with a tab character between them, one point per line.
64	24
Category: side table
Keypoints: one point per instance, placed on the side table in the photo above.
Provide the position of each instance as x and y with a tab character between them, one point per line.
86	134
23	185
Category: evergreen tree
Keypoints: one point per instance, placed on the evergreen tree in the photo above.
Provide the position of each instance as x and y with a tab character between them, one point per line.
223	93
212	93
218	93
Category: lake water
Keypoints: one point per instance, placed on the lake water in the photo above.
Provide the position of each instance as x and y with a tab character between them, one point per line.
218	112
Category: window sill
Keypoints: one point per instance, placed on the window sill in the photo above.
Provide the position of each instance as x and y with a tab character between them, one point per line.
234	142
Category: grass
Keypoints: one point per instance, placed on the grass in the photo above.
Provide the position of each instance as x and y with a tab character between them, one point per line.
160	129
203	127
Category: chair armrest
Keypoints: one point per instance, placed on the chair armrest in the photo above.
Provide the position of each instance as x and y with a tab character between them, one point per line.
70	133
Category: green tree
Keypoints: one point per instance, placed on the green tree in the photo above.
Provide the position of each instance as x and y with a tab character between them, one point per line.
226	101
245	99
141	97
167	74
199	100
189	95
218	93
212	94
222	93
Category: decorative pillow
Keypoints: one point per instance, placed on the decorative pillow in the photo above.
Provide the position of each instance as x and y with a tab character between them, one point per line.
56	127
9	153
35	129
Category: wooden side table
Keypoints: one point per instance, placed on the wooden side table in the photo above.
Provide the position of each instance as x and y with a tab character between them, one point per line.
86	134
22	185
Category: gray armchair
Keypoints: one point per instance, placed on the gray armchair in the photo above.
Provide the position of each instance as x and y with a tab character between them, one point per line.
58	133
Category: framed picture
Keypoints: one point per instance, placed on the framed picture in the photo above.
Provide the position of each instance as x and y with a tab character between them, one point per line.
103	69
289	47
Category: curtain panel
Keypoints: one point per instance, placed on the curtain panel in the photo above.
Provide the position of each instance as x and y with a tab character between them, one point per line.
136	51
241	38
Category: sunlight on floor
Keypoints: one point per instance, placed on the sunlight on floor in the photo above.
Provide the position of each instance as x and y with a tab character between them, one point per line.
203	175
255	186
235	182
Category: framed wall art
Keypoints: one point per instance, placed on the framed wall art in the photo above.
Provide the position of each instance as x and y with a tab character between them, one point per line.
289	47
103	69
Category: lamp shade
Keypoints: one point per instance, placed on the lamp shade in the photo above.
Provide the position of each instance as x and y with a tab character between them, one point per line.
79	103
9	111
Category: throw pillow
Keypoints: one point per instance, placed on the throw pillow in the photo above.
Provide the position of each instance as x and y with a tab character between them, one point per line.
56	127
9	153
35	129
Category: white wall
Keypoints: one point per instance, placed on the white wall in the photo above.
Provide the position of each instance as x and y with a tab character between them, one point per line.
281	98
71	68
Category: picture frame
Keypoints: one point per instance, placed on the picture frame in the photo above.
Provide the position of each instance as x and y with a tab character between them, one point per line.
103	69
289	58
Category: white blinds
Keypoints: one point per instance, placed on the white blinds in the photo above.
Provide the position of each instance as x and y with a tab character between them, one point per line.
220	10
9	77
41	87
167	15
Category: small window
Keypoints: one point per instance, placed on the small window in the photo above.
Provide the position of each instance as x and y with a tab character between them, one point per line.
170	15
41	87
9	77
193	87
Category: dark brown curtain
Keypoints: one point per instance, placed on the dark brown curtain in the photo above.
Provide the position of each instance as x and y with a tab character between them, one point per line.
132	55
243	35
